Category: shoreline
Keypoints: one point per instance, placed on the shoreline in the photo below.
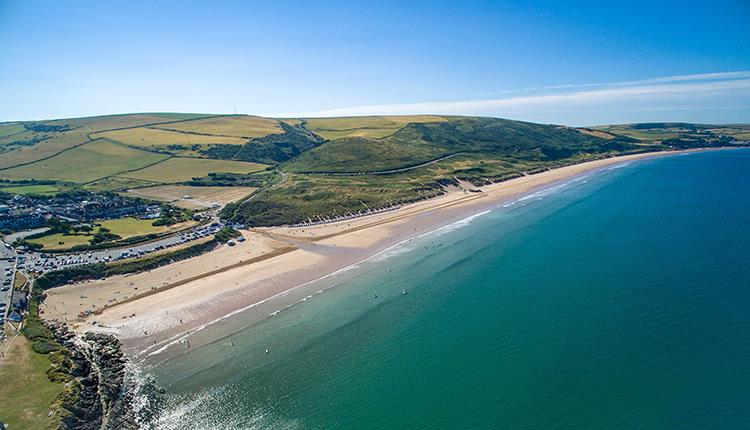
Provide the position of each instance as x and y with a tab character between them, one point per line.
154	324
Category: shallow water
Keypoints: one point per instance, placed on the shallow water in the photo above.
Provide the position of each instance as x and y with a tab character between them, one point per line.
618	300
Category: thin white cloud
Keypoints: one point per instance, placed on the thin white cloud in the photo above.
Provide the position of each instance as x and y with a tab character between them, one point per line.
663	79
673	92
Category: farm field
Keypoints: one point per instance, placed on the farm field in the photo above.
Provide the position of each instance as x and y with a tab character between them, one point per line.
158	138
183	169
199	197
686	132
11	154
9	128
92	161
246	127
114	183
643	134
43	190
105	122
368	126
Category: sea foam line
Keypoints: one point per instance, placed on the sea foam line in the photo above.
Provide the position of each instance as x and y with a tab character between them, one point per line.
620	166
173	340
545	191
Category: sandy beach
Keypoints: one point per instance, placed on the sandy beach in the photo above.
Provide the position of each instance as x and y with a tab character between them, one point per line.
152	309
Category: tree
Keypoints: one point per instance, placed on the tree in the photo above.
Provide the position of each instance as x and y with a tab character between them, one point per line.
58	226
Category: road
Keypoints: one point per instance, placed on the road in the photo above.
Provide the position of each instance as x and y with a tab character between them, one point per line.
390	171
21	234
7	270
282	181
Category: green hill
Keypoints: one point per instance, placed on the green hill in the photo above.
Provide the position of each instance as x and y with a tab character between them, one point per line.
308	168
417	143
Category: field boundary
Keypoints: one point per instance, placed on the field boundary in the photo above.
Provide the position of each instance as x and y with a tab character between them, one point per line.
50	156
91	139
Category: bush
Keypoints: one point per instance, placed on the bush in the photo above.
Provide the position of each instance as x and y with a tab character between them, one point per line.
226	233
164	221
59	376
104	236
34	329
44	346
33	332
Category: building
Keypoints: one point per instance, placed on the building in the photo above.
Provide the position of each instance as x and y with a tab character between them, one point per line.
15	316
21	219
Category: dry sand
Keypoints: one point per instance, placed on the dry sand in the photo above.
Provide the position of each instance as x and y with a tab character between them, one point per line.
66	303
195	292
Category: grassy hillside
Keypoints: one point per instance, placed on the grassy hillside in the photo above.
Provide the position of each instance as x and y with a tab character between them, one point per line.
306	168
272	148
27	391
417	143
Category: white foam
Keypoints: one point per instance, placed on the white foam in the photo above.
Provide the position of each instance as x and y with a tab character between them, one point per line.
541	193
456	225
208	409
181	336
620	166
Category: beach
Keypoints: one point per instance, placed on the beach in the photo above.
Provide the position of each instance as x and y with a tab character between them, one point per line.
172	301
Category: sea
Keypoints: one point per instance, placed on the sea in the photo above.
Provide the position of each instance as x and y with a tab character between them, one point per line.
619	299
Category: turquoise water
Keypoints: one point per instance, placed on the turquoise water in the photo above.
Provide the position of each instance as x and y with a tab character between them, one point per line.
620	300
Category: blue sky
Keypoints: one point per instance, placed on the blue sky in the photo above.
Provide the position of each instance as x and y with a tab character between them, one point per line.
571	62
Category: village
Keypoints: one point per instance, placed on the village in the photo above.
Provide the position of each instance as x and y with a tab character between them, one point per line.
18	212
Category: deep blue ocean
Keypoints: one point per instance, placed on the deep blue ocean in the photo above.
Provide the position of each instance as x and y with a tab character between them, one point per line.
618	300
